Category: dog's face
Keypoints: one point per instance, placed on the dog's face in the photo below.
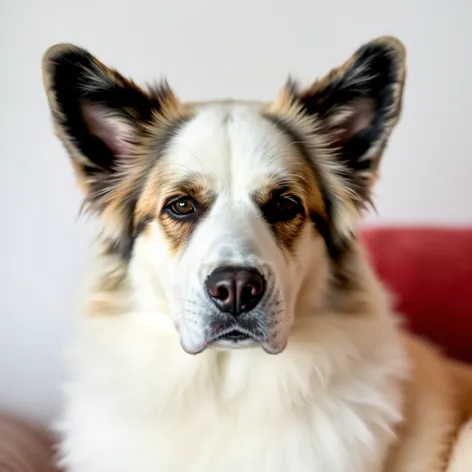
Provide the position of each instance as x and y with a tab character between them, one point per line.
229	217
230	228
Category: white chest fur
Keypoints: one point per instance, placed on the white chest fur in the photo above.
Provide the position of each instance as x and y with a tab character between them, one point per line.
137	403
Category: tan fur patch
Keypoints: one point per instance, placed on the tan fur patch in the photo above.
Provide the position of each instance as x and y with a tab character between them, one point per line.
433	414
289	112
143	174
303	185
161	187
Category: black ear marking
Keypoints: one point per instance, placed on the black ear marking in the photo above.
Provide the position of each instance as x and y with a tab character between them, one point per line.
340	126
91	103
113	130
358	105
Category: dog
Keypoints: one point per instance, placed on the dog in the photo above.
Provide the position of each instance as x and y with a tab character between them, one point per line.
229	293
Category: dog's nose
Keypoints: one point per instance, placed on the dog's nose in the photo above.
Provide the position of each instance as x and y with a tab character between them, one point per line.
235	290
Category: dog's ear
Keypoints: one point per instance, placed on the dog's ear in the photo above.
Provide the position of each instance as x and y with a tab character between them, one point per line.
98	114
358	104
348	116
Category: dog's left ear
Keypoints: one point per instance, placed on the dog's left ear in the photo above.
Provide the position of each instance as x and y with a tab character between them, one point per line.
351	113
359	103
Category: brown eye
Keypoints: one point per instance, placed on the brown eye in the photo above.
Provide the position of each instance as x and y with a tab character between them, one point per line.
282	208
182	209
284	205
184	206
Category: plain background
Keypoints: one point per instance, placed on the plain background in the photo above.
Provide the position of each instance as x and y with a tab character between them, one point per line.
207	49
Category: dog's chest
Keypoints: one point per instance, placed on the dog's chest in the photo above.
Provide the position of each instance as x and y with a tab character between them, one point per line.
330	437
257	414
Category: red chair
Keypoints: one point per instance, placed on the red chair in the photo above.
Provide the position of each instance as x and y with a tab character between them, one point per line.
429	271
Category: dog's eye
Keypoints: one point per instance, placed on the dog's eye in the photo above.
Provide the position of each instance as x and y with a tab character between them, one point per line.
182	208
284	205
283	208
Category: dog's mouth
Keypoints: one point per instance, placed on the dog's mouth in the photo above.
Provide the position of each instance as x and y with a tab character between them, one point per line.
234	336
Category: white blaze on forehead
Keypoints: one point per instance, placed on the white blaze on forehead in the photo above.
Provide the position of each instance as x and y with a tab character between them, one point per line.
233	147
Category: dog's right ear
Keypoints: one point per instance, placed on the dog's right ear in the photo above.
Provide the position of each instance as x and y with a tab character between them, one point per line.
345	120
99	115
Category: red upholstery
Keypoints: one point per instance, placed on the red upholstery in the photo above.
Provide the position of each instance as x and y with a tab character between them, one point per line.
430	272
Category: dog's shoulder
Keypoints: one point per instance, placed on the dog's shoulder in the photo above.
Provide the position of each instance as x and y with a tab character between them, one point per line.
438	401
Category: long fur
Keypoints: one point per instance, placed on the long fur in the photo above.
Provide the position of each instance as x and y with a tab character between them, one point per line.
326	381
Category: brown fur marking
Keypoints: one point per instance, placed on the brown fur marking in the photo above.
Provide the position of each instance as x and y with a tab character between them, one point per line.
159	189
303	185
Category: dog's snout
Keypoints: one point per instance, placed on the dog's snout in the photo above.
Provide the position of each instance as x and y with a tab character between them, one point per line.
235	290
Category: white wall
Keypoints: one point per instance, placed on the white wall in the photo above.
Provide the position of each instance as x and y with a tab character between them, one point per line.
207	49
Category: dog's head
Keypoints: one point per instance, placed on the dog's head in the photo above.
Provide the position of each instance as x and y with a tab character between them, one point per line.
228	216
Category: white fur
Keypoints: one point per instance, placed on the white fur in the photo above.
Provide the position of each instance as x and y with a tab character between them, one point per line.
137	402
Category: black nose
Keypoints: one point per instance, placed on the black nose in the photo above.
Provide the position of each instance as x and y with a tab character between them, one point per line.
235	290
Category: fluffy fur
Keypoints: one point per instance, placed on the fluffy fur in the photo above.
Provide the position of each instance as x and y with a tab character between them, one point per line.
322	379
